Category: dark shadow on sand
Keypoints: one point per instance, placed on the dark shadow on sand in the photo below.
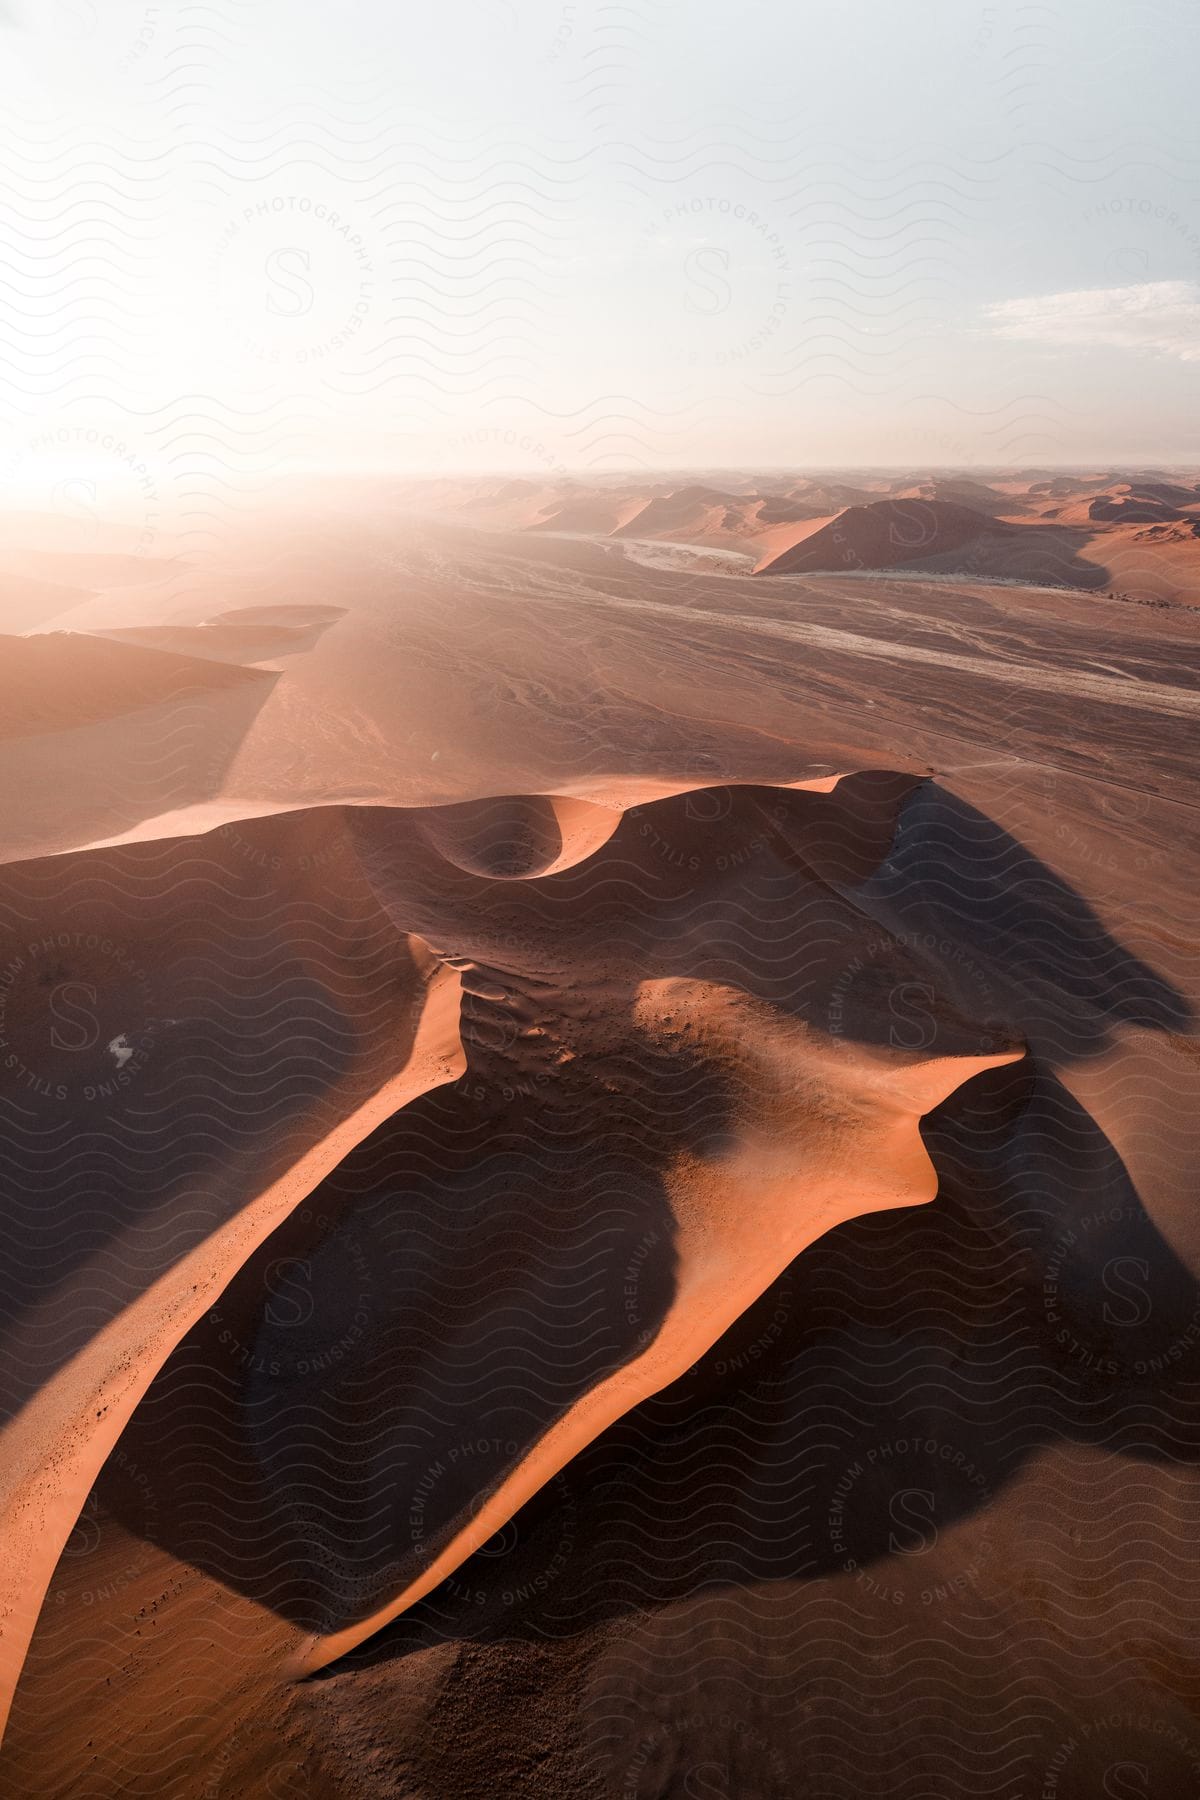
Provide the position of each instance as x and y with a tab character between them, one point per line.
501	1245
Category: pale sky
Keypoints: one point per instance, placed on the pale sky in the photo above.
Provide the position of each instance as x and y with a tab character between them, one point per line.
250	235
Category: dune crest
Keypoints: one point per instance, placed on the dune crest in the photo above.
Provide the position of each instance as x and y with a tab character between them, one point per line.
55	1445
829	1131
809	1112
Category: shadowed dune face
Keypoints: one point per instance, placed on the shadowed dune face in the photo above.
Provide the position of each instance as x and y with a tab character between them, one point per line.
889	534
943	536
514	836
690	1050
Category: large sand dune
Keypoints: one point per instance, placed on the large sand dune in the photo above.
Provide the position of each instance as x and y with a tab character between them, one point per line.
59	680
1131	534
889	534
541	1148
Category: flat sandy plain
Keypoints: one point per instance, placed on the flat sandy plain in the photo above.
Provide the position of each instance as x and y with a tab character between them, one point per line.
599	1161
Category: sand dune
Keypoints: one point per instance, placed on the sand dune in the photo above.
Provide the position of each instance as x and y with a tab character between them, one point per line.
1106	543
285	618
1137	509
510	837
1023	526
956	491
783	1185
99	1370
26	602
594	514
691	511
217	643
249	635
60	680
889	534
627	1025
99	736
138	1072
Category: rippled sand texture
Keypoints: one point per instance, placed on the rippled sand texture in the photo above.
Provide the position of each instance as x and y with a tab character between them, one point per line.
605	1168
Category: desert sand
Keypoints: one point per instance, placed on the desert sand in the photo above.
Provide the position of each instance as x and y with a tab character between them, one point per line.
600	1152
1133	534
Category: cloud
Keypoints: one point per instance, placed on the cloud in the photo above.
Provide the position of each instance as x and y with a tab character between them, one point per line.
1159	316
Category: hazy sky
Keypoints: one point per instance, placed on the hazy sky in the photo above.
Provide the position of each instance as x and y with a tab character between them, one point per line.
250	234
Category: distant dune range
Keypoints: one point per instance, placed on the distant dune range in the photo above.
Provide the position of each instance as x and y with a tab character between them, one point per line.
428	1055
1137	535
